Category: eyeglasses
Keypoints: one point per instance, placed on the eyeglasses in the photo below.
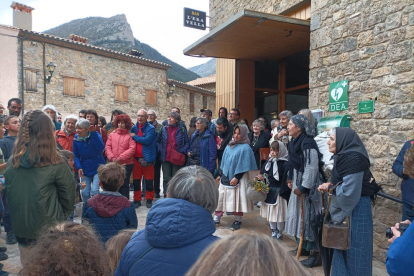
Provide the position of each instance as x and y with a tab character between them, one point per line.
233	114
141	116
151	115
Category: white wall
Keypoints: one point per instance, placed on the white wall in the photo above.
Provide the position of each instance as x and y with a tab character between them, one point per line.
8	64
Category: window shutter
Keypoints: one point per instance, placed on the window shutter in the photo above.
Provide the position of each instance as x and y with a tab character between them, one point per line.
121	93
30	78
73	87
151	97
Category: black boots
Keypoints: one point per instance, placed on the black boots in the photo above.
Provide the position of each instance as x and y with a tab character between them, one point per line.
313	260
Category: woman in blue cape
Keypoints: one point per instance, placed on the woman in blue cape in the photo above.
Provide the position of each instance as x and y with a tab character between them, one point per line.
237	163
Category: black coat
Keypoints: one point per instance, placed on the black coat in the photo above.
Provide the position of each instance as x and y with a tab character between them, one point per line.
277	186
262	142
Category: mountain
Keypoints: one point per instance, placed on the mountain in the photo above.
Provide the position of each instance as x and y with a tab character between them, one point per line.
115	33
205	69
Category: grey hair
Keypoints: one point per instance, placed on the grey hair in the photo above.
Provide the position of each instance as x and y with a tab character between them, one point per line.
82	123
286	113
333	131
273	122
69	117
196	185
202	120
155	113
176	116
257	121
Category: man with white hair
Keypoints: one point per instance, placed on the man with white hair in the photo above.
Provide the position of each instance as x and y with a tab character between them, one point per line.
144	135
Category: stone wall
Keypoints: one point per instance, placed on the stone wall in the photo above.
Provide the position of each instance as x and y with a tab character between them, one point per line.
100	73
221	10
371	44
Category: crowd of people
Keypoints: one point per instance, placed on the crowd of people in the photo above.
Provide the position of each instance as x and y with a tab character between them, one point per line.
49	164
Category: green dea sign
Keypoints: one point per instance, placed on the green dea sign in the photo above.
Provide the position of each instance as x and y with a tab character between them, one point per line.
338	96
366	107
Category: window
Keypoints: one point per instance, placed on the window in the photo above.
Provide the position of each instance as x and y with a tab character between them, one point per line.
192	107
30	79
121	93
151	97
204	102
73	87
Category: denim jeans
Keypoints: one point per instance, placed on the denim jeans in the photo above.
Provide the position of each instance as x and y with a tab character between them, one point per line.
92	187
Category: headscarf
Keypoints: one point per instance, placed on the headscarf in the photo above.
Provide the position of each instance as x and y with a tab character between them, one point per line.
304	124
283	155
244	138
347	141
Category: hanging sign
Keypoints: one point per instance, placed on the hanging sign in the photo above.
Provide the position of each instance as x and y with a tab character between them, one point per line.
338	96
194	19
366	107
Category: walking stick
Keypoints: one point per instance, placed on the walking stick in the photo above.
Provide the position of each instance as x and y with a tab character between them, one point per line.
302	228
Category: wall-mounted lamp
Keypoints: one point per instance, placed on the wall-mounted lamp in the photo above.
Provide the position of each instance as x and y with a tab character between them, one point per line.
172	90
50	68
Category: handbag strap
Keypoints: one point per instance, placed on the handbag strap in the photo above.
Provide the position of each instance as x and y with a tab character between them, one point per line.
329	199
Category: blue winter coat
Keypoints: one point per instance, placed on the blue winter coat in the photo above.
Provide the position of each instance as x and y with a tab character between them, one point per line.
400	254
181	138
110	212
88	154
176	233
407	185
148	141
208	150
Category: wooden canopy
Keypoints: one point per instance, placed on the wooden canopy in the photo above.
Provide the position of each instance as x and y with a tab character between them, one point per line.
252	35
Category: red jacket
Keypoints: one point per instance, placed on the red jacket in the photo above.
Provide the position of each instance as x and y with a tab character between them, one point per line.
102	132
65	141
121	146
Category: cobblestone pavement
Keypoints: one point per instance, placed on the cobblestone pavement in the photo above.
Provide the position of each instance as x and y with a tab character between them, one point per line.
252	224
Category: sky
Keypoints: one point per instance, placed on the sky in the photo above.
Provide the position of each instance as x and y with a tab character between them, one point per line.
158	23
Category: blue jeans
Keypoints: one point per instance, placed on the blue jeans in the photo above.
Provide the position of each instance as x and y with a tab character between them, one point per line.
92	187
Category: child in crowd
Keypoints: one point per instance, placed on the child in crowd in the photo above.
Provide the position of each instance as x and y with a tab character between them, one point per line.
68	249
70	158
115	246
275	206
109	211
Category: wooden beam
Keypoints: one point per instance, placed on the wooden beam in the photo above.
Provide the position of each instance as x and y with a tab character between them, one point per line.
282	85
267	90
297	87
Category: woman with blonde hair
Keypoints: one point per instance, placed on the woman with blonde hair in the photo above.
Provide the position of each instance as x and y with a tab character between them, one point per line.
40	188
115	246
246	256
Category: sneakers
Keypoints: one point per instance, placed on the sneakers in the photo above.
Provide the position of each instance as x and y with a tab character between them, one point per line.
3	256
137	204
313	260
274	233
11	238
259	204
149	203
157	195
3	249
303	253
3	273
216	220
236	225
279	236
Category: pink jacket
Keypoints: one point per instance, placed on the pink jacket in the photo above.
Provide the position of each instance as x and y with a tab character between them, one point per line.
121	146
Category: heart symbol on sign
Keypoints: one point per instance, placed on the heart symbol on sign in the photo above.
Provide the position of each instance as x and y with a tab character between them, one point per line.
337	93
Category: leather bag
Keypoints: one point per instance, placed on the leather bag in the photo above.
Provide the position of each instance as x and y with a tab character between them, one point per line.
335	235
177	158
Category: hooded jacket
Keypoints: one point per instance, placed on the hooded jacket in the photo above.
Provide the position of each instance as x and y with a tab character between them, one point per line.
208	150
38	196
64	140
176	233
88	153
148	141
110	212
121	146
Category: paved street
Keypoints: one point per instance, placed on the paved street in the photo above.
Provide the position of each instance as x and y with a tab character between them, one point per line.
253	224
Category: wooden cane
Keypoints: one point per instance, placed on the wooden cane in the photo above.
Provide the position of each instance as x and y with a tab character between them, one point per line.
302	228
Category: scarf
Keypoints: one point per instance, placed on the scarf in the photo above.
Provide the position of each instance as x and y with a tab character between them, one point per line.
244	138
283	155
83	139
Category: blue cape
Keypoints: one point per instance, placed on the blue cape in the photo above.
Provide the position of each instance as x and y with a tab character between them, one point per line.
236	160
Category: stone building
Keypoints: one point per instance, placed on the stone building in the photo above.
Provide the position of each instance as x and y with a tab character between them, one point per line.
283	54
90	77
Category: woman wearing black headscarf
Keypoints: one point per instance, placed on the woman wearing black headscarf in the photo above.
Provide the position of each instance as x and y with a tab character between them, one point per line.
305	161
351	198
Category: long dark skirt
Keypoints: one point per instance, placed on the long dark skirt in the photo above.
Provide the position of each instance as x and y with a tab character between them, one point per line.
358	259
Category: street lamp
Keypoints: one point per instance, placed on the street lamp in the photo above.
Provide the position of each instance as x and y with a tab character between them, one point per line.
172	90
51	68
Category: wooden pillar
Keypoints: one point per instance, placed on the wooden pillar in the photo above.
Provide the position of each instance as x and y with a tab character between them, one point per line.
282	86
247	89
